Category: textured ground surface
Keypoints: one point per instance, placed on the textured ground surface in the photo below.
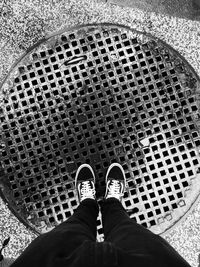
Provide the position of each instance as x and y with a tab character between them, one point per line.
181	8
22	23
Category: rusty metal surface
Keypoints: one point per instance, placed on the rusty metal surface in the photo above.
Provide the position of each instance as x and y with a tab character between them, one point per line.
99	94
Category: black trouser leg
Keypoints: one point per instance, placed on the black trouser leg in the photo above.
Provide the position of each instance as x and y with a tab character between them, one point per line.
63	239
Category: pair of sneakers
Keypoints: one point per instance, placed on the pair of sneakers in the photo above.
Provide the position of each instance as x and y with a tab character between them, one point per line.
115	182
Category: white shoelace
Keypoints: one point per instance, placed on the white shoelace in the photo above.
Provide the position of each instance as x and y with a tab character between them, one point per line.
114	189
87	191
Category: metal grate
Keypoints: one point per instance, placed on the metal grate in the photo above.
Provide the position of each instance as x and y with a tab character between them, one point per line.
100	94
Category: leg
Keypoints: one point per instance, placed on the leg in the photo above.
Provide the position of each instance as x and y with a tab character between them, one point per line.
131	237
83	222
64	239
120	229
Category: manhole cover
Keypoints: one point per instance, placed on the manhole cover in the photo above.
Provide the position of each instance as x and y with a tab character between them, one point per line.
98	94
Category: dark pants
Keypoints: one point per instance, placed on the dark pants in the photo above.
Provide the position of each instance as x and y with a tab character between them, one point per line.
119	229
117	225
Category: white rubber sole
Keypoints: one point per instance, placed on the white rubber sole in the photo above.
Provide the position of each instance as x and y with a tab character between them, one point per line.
80	168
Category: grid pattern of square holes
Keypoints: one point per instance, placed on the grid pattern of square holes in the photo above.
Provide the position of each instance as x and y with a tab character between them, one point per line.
98	111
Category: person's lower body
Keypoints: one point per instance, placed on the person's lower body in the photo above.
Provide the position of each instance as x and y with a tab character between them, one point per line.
119	229
117	225
81	226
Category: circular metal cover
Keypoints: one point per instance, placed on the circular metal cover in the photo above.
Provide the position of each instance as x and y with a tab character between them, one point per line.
98	94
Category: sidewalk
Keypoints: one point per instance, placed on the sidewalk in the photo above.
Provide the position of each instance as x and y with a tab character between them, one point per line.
180	8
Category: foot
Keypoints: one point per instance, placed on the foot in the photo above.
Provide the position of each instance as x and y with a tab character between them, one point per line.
85	182
115	182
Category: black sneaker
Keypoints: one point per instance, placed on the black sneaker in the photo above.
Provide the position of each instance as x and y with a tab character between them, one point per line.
115	182
85	182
